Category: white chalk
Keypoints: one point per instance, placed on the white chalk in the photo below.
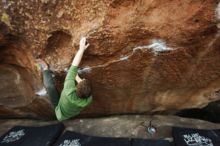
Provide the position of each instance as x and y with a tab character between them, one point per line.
86	69
41	92
156	46
159	46
140	48
124	58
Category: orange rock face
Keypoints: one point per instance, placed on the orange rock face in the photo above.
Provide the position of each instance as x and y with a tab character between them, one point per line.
144	56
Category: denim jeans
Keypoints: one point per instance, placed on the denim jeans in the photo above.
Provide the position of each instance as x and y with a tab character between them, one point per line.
50	87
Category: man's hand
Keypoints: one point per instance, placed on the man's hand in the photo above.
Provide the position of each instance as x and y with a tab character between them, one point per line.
82	45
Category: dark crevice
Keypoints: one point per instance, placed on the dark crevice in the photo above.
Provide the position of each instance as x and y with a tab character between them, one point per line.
209	113
58	39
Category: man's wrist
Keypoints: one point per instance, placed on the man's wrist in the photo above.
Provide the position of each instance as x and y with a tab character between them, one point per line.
81	49
73	65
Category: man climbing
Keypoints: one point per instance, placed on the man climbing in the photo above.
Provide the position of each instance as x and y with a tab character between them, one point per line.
74	98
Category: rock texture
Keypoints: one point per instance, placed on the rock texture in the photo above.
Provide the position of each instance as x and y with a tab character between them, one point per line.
144	56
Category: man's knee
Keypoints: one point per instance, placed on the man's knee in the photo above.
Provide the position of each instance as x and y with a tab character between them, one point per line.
49	86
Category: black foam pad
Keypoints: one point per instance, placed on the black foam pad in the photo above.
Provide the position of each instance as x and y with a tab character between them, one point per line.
76	139
31	136
148	142
196	137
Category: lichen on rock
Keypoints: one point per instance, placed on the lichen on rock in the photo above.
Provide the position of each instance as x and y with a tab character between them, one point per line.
5	18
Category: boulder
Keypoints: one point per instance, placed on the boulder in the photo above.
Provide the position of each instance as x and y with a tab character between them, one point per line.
144	56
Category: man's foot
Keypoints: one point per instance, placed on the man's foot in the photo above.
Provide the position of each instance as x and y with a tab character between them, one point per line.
41	65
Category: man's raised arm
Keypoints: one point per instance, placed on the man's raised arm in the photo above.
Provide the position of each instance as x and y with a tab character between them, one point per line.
72	73
79	54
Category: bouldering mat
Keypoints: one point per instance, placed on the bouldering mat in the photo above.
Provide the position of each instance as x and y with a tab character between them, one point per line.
76	139
148	142
31	136
195	137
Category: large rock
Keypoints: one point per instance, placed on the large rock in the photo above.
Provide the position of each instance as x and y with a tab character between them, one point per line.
144	56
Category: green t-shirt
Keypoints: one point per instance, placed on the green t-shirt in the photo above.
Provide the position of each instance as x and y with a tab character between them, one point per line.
69	104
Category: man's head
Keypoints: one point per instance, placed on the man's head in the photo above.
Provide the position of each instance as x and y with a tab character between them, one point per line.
84	89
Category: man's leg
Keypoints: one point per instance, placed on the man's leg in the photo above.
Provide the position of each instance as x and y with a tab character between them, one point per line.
50	86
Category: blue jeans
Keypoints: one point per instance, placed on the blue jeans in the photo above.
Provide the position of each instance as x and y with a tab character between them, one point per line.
50	87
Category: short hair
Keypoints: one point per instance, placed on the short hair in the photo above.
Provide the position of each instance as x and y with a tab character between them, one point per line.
83	89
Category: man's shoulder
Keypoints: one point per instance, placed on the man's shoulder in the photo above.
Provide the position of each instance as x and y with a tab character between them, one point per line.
67	95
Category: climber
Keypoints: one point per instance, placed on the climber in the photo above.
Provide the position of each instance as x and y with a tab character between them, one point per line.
74	98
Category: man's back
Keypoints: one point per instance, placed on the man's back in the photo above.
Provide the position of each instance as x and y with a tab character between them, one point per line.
70	104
